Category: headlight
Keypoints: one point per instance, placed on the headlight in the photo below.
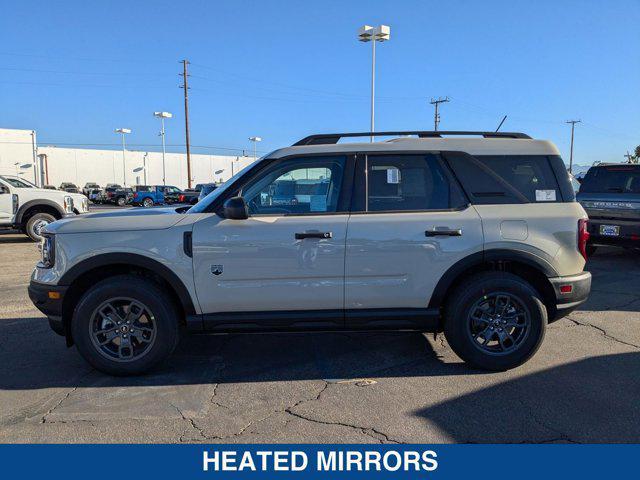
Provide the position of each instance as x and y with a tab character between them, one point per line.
48	250
68	204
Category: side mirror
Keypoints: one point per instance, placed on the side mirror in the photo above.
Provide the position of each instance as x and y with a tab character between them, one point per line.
235	208
3	189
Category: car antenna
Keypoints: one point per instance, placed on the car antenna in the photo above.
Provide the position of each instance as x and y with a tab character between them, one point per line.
503	119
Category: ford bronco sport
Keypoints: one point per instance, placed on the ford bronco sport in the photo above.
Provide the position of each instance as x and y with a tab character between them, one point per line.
474	234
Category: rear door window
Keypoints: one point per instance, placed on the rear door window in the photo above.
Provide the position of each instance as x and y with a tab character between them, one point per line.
410	183
612	179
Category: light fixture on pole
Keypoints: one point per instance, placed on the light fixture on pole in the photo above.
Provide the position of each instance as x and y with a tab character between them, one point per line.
123	132
367	33
162	116
255	141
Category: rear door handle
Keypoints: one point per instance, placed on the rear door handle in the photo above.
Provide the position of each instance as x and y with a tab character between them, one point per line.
302	236
445	232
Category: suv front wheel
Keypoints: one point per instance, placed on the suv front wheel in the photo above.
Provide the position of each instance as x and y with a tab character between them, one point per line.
495	321
125	325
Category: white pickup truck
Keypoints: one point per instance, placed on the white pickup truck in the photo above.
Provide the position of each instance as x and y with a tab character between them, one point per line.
26	207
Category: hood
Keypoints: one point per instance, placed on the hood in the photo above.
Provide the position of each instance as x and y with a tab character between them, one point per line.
119	220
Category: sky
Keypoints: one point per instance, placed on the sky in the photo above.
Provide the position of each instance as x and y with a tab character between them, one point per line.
76	70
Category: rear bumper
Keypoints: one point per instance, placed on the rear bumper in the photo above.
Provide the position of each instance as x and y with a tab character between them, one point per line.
629	232
39	293
575	292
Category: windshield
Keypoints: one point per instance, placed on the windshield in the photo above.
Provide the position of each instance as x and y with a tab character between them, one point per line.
612	179
18	182
202	205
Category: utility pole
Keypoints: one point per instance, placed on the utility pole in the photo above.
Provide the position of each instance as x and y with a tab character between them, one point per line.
436	117
185	87
573	126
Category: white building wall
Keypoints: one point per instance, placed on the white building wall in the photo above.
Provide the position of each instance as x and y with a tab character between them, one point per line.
17	146
82	165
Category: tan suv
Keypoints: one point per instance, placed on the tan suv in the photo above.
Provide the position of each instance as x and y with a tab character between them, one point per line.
476	234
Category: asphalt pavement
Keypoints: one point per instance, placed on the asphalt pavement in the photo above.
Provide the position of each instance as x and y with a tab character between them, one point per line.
582	386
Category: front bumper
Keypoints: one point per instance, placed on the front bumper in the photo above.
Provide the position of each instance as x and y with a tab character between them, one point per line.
570	292
48	299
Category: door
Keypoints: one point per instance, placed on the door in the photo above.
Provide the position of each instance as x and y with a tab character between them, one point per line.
285	263
410	223
6	204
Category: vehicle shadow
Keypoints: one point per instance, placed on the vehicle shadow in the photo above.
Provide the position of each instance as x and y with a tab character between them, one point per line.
615	283
14	237
39	359
593	400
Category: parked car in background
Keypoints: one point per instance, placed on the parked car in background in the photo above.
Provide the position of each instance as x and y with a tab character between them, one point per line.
147	195
90	186
479	238
26	207
171	194
116	195
190	195
610	193
207	188
69	187
95	195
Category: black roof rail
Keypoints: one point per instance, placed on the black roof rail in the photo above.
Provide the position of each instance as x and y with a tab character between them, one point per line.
333	138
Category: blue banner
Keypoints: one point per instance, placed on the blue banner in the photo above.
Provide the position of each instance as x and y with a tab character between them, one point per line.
319	461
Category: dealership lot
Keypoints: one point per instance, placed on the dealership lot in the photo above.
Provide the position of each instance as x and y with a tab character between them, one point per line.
582	386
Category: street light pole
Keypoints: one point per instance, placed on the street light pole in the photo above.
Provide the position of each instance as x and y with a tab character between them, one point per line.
255	141
367	33
123	132
573	126
162	116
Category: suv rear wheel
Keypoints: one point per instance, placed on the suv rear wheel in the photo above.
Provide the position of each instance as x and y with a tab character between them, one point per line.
147	202
121	201
35	224
495	321
125	325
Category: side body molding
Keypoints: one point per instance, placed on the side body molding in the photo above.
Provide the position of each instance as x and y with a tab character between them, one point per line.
479	258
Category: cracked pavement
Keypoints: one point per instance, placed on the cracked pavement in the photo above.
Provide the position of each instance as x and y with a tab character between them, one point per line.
582	386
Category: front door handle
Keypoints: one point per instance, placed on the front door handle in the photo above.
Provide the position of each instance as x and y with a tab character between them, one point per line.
302	236
445	232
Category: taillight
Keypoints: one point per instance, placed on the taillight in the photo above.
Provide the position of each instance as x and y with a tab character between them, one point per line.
181	198
135	195
583	237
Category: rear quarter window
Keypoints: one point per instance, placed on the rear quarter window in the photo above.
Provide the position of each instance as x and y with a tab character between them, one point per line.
505	179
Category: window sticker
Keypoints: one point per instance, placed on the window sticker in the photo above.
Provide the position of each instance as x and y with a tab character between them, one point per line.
545	195
393	175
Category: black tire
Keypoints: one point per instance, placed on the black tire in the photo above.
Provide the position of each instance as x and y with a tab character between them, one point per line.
147	202
35	224
591	249
459	326
162	312
121	201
